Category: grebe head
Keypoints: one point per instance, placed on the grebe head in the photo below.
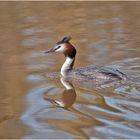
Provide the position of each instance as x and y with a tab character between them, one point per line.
65	47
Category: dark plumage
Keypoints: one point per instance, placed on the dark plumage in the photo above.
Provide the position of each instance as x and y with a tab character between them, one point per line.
69	50
64	40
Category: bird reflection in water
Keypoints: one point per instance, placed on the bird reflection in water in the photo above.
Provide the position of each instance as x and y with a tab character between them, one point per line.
71	115
68	95
65	122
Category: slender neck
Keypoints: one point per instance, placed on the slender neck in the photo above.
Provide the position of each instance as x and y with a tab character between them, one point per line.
68	65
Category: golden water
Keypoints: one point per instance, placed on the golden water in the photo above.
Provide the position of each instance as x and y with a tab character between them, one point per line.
34	106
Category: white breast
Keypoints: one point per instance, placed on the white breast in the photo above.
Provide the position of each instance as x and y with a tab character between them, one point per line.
66	66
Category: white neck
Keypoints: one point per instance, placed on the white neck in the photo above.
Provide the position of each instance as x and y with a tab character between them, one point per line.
68	64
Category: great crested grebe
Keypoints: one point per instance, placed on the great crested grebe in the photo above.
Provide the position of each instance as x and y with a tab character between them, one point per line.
89	72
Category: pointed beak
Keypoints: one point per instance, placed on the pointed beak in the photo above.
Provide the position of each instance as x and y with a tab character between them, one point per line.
50	50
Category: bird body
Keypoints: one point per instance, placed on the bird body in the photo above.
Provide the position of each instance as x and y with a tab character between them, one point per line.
89	72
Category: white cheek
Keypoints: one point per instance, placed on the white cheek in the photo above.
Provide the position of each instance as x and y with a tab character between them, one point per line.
61	49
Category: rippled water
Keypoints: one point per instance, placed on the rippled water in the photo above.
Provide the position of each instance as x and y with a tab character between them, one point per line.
33	105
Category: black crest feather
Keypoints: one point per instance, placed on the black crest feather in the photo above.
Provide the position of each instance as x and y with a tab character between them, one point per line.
64	40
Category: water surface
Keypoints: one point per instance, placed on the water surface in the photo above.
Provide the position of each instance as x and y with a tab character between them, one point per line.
35	106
